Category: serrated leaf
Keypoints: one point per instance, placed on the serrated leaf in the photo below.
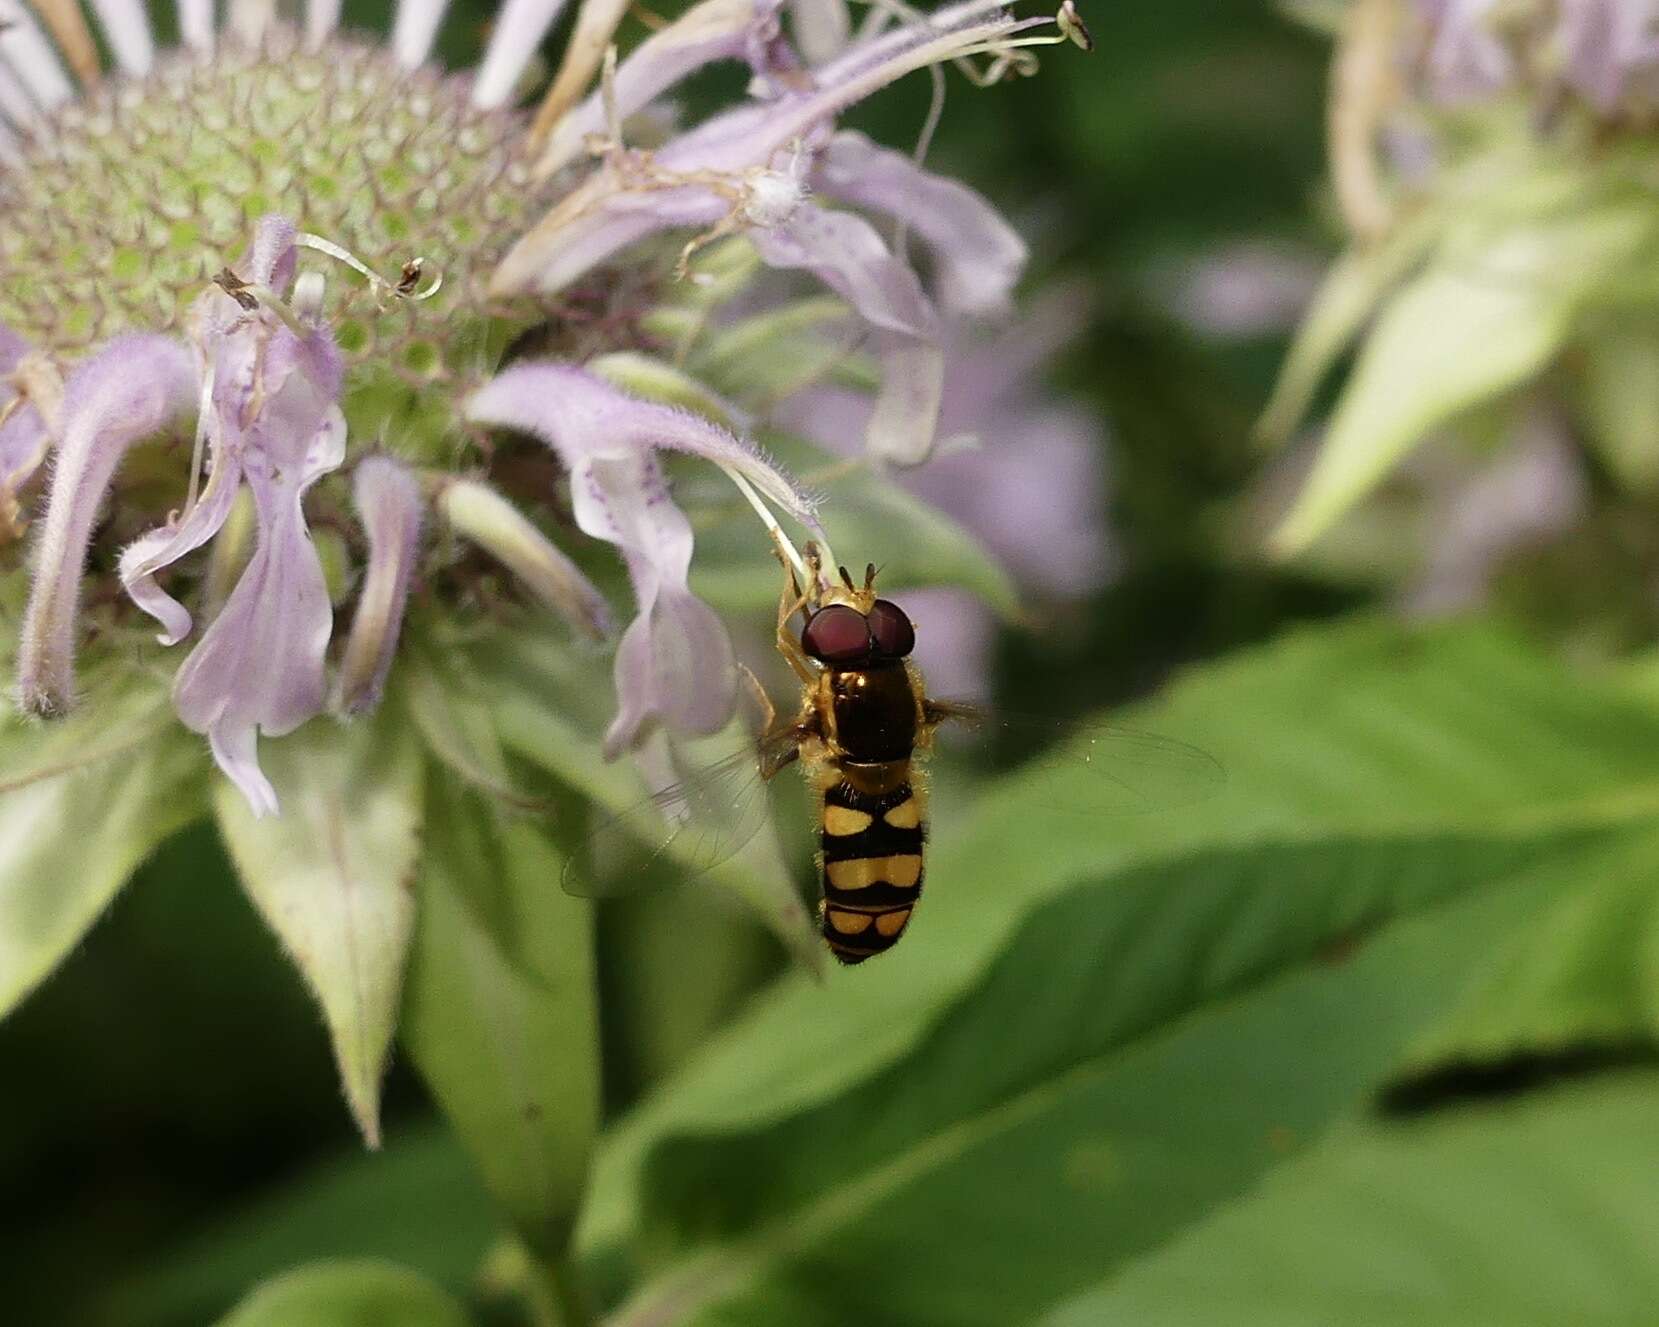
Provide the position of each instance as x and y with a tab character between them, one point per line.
332	877
1523	1213
1367	729
500	1013
1144	1050
1471	327
83	801
341	1293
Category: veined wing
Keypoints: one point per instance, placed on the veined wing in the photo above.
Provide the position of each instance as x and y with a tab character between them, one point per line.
1098	768
680	833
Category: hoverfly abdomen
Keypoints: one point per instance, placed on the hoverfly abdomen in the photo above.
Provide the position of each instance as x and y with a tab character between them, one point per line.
871	845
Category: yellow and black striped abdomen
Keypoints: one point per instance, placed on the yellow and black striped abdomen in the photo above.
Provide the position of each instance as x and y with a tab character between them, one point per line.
871	844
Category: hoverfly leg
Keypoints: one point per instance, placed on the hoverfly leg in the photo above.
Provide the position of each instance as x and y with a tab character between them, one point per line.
793	600
936	712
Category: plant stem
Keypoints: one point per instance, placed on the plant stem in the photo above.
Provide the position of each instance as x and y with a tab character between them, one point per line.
555	1299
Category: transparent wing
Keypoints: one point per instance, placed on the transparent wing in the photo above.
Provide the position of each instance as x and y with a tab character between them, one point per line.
687	829
1096	768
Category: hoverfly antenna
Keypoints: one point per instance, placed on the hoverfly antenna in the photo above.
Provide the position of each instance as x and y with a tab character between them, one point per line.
869	575
847	579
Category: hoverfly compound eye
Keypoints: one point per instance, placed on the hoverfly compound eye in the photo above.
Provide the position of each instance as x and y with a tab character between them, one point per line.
837	634
891	630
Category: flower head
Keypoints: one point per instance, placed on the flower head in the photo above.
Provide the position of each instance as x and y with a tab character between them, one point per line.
325	373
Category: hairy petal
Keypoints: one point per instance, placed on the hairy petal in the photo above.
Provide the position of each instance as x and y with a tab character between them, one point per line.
259	667
708	32
847	255
165	545
582	416
979	255
388	501
132	389
674	664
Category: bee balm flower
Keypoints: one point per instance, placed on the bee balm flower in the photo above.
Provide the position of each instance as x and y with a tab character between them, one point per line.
303	406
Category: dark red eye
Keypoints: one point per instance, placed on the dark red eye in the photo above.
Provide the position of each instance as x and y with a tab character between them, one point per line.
837	634
891	629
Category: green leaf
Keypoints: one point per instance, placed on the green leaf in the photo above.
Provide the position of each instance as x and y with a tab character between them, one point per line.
1618	398
1525	1213
1355	285
1585	975
1366	730
1473	326
1143	1051
348	1294
457	722
331	876
83	801
383	1206
500	1011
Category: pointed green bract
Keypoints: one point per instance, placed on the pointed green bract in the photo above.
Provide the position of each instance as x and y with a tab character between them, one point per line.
501	1008
333	876
83	801
1489	314
348	1293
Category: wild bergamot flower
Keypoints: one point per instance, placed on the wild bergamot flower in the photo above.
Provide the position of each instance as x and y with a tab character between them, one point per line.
298	330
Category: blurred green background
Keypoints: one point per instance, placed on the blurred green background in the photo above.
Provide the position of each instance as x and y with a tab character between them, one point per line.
1365	1038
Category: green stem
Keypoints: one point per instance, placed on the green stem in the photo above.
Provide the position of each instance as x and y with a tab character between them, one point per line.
555	1299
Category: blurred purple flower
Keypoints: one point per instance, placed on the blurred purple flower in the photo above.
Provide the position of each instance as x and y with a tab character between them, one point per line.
271	422
1532	490
1603	43
1466	59
1249	289
674	664
1022	470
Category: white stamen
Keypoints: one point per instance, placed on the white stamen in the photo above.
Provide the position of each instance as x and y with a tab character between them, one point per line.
415	30
321	18
198	453
251	19
128	29
519	28
308	296
25	48
196	24
15	103
306	240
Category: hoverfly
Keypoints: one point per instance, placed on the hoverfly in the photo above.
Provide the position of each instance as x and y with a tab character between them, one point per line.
863	725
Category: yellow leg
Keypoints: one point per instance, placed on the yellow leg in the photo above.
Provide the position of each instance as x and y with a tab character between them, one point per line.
793	600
